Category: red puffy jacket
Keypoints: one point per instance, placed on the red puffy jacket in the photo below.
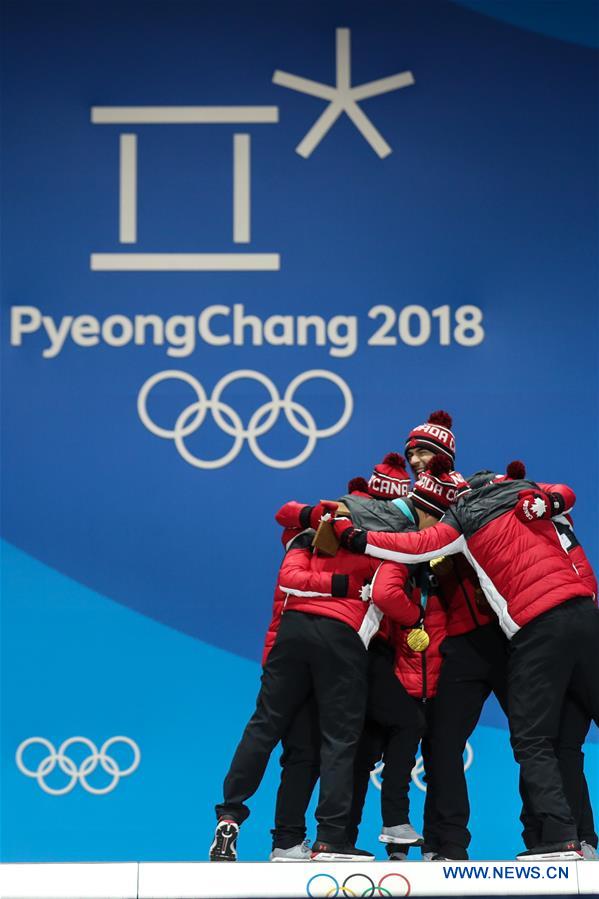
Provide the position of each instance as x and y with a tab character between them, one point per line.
565	530
461	595
523	568
459	588
290	537
308	581
273	627
417	671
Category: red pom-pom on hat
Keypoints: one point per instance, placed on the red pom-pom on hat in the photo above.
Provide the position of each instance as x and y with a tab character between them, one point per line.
389	478
394	459
358	484
435	435
516	470
440	418
440	465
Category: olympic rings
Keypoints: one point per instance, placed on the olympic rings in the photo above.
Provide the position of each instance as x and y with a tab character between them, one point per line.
68	766
343	889
192	417
315	877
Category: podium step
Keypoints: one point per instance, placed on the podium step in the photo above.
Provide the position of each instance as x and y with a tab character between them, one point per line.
264	880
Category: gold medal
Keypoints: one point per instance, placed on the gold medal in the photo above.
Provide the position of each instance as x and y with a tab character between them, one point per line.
418	639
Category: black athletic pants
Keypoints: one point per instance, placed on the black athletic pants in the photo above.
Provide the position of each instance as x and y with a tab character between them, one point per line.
554	653
395	723
574	727
300	769
311	654
474	665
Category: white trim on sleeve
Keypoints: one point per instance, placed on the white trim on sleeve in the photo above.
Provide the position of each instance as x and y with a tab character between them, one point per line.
456	546
290	591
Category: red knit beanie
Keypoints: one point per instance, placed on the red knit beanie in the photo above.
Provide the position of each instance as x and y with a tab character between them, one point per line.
438	487
389	478
434	435
358	486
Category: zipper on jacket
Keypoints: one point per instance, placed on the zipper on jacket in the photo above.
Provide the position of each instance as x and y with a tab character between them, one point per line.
466	597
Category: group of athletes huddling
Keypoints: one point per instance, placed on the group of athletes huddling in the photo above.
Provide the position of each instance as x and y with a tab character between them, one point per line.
439	594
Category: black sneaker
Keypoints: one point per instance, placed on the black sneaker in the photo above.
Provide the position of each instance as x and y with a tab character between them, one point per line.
450	852
224	846
569	849
330	852
398	852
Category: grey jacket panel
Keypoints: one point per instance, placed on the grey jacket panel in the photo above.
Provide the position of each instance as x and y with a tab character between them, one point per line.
478	507
377	514
481	478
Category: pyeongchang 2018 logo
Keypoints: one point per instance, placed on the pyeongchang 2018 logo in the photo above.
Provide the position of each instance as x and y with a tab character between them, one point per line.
341	98
265	417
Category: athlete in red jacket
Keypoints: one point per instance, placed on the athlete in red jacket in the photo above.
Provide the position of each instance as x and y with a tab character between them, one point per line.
394	717
506	532
315	651
474	665
402	686
300	759
402	681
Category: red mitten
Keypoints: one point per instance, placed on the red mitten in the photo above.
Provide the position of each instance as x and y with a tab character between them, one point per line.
533	505
324	509
327	507
289	515
341	525
349	537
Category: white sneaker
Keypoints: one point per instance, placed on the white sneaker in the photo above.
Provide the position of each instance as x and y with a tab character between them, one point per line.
299	853
401	833
589	852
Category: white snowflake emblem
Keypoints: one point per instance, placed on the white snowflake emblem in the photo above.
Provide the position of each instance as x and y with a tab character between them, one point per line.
538	507
343	98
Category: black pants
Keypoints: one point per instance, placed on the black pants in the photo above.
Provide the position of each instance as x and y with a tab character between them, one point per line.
395	723
554	653
300	769
574	727
318	655
474	665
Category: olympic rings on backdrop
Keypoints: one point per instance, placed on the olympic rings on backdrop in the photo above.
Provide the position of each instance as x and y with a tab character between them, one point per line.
74	772
337	889
191	418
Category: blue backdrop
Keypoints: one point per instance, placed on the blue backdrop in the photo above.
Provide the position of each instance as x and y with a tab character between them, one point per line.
171	209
